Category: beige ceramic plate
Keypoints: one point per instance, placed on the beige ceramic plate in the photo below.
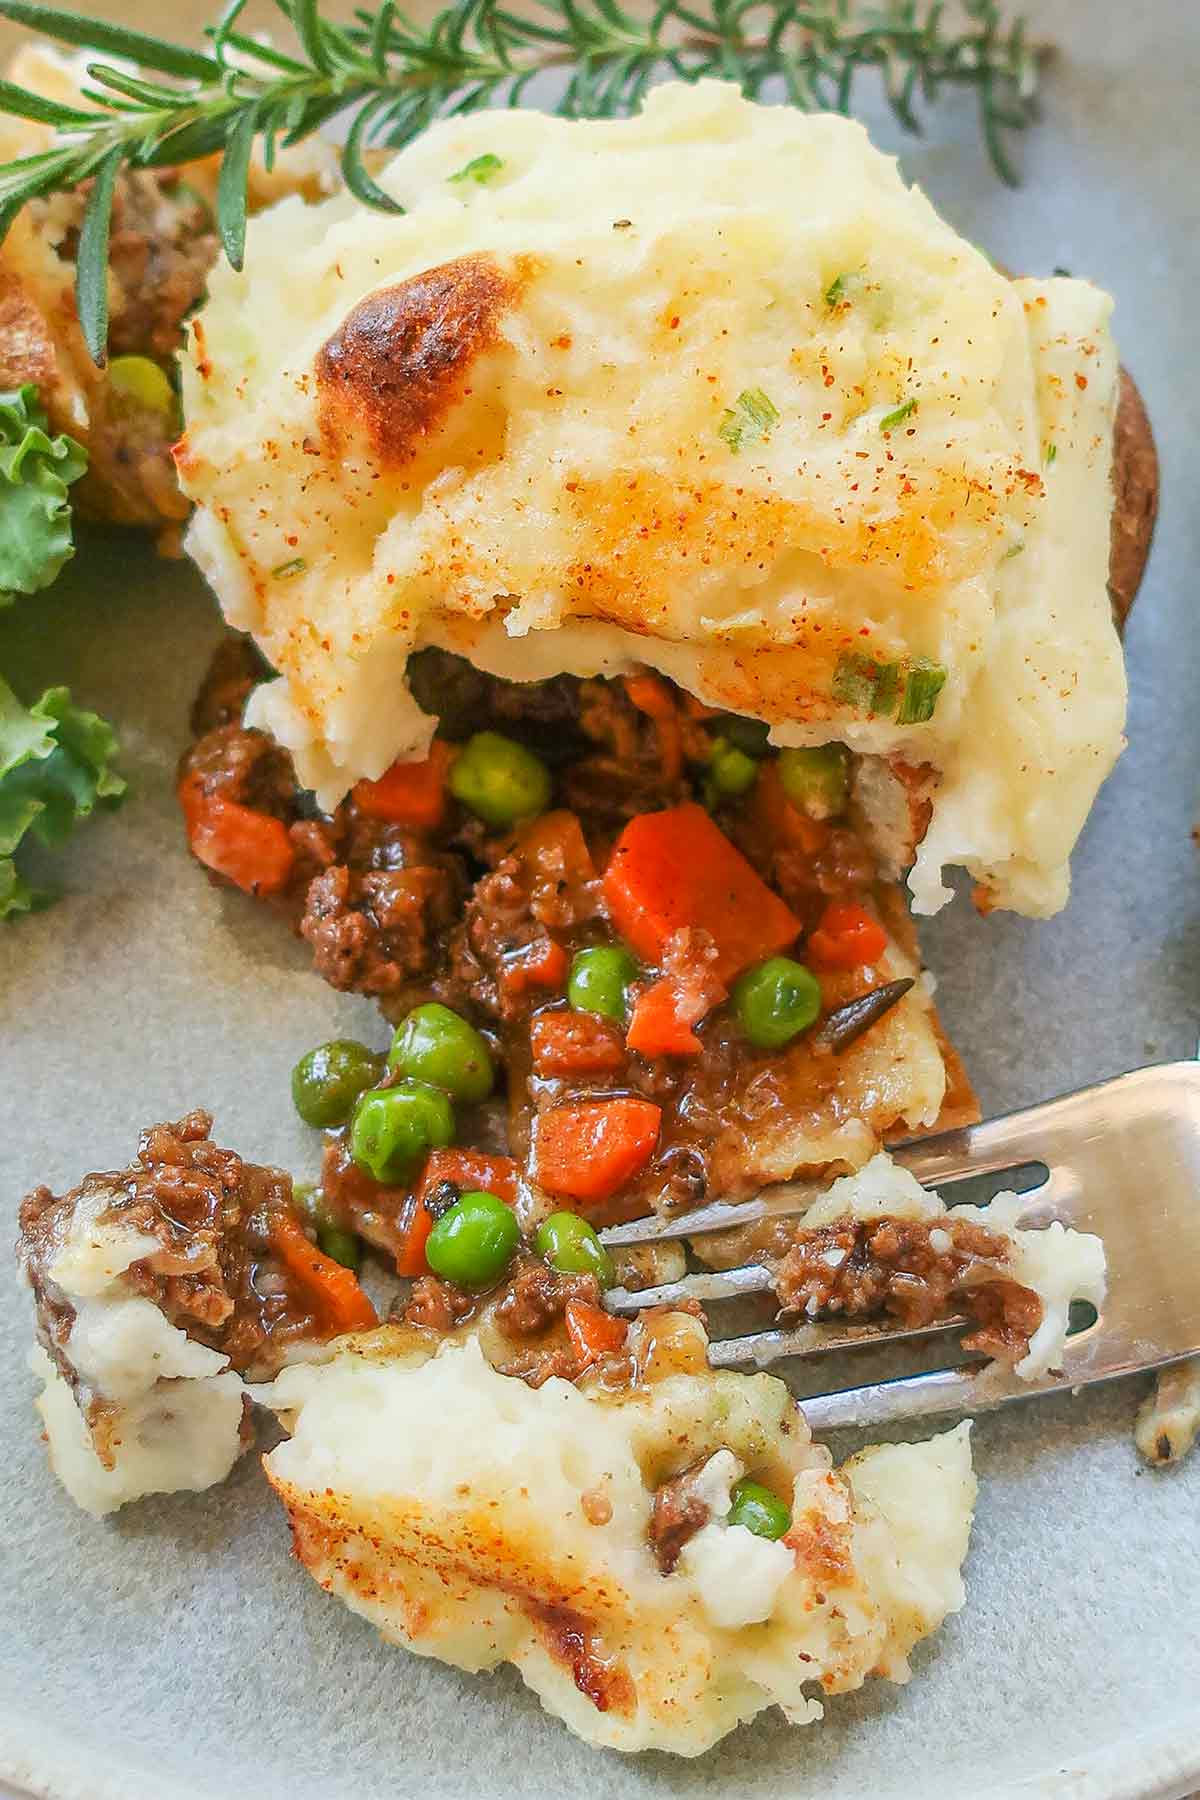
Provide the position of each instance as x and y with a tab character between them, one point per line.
177	1652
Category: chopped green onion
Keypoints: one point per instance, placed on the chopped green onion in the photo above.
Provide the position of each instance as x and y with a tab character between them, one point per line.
1013	550
887	689
890	420
836	290
922	685
865	684
753	414
480	170
874	687
1051	451
285	571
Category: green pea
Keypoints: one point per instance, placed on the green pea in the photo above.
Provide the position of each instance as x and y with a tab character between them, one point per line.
757	1509
775	1001
437	1045
473	1240
750	736
341	1245
570	1245
817	780
394	1129
499	780
139	385
327	1081
599	979
730	771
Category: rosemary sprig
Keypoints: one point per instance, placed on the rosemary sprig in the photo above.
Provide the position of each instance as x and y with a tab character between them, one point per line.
393	77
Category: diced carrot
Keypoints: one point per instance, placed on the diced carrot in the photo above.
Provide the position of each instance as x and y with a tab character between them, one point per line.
658	1027
542	964
336	1291
409	793
589	1150
653	697
593	1332
575	1043
412	1234
251	849
848	937
675	869
777	819
555	856
470	1170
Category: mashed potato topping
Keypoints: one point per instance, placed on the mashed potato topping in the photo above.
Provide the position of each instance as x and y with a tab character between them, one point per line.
521	1535
710	389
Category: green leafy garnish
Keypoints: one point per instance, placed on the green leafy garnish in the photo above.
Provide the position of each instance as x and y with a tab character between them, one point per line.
874	687
836	290
55	769
890	420
480	169
35	512
168	103
752	415
1049	454
285	570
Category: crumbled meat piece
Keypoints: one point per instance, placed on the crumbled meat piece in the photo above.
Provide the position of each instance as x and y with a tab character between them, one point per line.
244	766
373	930
235	670
160	249
538	1295
545	883
213	1275
437	1305
854	1268
542	714
677	1515
623	775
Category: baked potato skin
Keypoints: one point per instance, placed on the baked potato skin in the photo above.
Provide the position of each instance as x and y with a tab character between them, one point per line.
1135	498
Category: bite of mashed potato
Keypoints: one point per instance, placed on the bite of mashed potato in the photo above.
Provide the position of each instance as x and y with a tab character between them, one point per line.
476	1520
711	390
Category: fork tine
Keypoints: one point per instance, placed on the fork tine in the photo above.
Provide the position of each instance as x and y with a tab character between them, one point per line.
724	1284
759	1348
781	1201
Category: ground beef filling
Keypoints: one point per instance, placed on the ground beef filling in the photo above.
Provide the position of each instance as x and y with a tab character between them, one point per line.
214	1275
488	922
914	1271
677	1515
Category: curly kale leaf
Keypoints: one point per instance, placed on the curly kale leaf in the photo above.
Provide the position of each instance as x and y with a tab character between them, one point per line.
55	768
35	512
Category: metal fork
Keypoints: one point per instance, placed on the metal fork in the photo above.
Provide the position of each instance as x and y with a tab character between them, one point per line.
1122	1160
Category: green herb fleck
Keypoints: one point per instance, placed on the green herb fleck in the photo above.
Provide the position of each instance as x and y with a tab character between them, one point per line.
753	414
1013	550
890	420
922	685
480	170
836	290
1050	453
285	571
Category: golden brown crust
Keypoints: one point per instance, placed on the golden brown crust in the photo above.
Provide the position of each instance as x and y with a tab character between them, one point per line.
1135	497
402	358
